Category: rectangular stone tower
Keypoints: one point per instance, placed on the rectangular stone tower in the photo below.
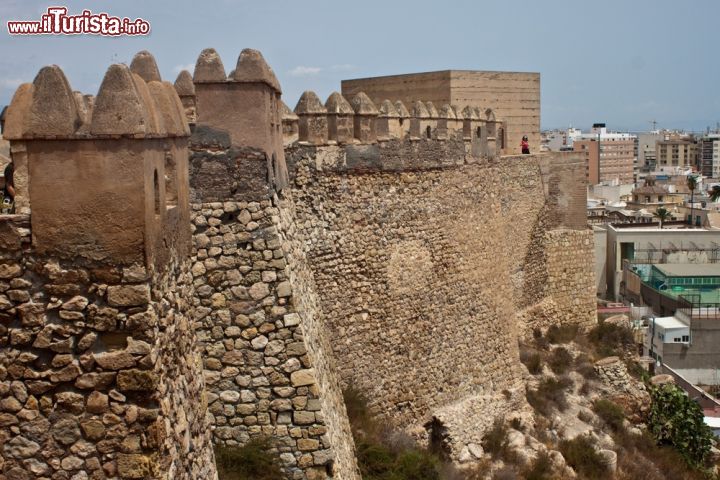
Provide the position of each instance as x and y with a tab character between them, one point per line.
513	96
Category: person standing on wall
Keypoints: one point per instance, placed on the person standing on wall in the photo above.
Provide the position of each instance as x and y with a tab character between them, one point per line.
8	199
525	145
8	191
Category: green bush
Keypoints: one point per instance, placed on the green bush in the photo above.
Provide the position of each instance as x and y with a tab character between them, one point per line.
378	462
562	333
610	412
560	360
580	454
676	420
253	461
383	453
417	465
550	393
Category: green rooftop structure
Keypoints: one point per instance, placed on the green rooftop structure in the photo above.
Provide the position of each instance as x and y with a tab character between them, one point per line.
688	279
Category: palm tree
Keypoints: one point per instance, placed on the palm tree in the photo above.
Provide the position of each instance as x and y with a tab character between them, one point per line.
715	193
663	214
692	183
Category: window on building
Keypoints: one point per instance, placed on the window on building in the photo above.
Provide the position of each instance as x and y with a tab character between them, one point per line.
677	339
686	338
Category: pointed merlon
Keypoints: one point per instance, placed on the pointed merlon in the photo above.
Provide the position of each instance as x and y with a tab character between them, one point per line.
53	111
17	112
209	67
166	109
179	110
478	113
446	111
309	103
119	108
468	113
337	104
286	113
143	64
402	109
458	112
490	115
363	105
387	109
432	111
419	110
83	111
252	68
184	84
156	124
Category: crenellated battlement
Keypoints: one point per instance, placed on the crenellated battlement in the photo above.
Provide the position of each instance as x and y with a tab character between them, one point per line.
103	176
360	121
238	112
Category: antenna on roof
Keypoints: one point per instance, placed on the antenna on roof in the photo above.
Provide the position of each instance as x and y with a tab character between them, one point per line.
654	124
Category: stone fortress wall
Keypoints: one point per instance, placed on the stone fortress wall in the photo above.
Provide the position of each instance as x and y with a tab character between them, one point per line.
100	371
387	247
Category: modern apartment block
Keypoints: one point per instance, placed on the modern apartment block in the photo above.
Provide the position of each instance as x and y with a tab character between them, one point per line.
677	152
647	157
709	153
610	156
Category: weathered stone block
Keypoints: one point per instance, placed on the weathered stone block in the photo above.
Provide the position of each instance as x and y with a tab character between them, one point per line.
128	295
136	380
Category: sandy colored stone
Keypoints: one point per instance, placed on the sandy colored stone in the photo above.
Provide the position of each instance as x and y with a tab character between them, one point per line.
128	295
144	65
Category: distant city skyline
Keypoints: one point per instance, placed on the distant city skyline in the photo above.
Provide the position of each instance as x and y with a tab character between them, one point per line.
622	63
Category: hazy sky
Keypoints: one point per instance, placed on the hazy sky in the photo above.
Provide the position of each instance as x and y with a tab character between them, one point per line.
621	62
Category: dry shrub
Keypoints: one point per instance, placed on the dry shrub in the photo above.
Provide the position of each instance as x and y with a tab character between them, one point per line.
541	468
560	360
642	459
495	441
531	359
506	473
580	454
611	339
610	412
562	333
550	393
